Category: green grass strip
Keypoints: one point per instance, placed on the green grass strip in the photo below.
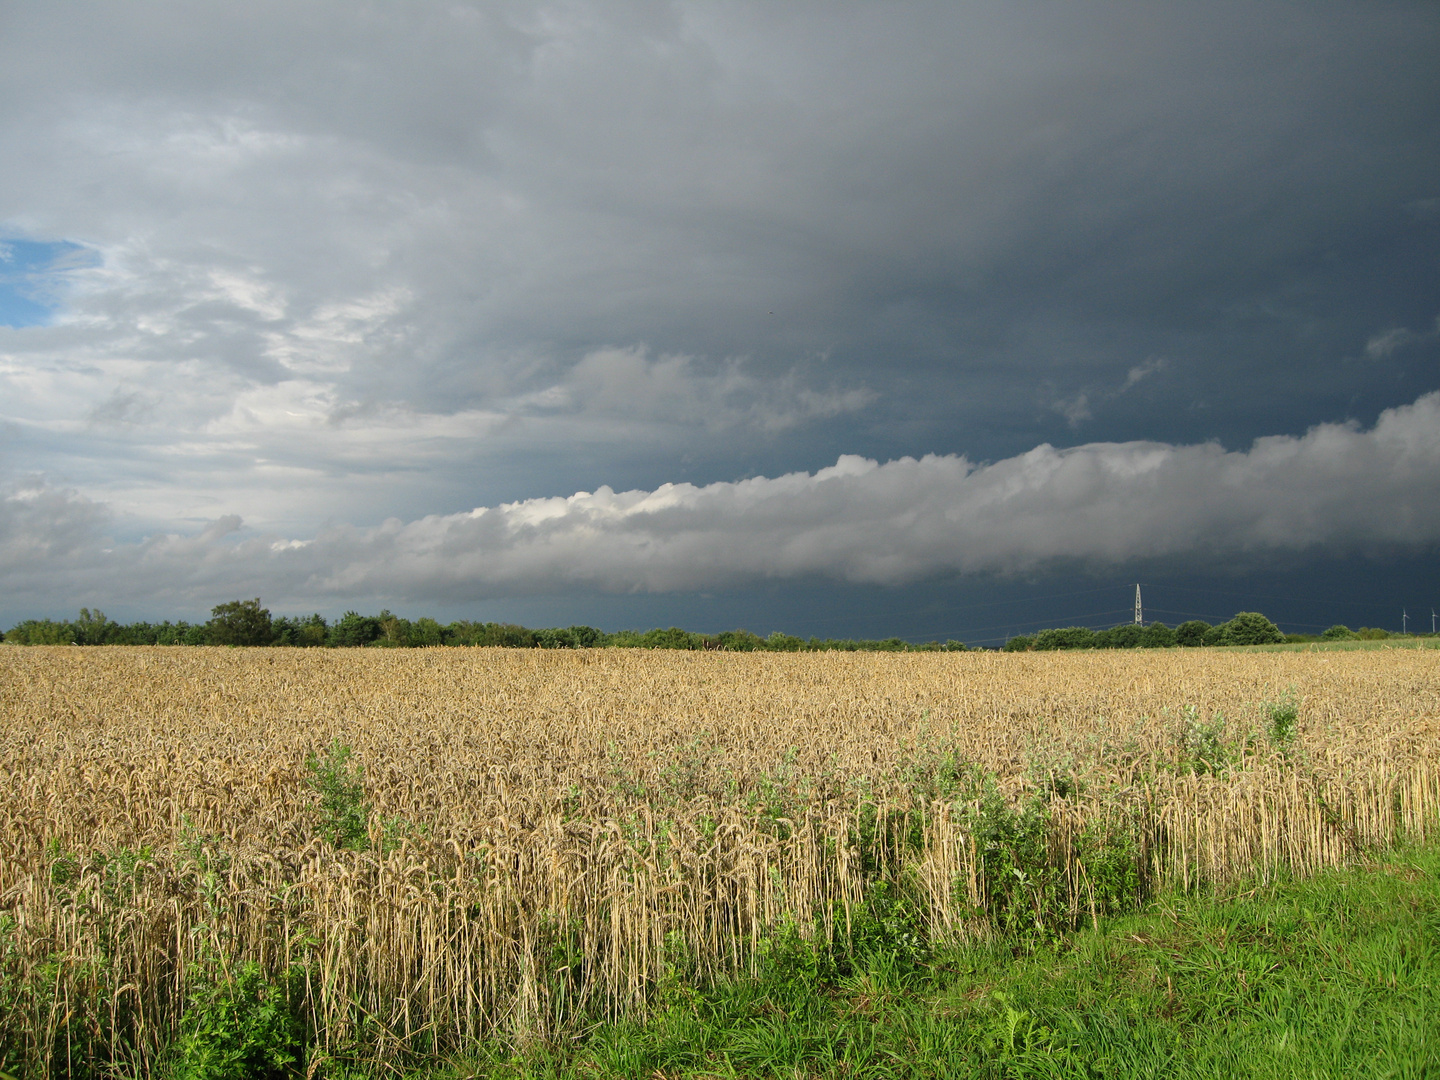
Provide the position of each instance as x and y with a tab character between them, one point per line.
1335	976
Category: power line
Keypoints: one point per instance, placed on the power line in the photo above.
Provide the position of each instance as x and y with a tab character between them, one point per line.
963	607
1191	614
1267	596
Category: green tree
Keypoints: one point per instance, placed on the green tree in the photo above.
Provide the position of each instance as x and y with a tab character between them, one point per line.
354	629
740	641
93	628
312	632
1125	636
427	631
508	635
782	642
240	622
303	633
1157	636
1068	637
1192	633
671	638
44	632
180	633
1251	628
570	637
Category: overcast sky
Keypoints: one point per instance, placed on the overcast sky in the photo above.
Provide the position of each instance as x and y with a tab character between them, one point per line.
816	317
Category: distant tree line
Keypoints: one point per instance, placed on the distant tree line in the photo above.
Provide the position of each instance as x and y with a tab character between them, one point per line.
1246	628
247	623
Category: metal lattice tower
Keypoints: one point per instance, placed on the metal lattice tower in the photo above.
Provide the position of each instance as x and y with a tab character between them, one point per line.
1139	612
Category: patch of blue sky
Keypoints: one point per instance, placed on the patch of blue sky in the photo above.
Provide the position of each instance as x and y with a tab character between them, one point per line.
33	278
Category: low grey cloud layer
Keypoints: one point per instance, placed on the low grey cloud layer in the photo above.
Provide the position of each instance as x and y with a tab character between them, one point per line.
1337	487
339	263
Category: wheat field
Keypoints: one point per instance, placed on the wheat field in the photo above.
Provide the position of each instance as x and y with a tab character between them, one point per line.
543	837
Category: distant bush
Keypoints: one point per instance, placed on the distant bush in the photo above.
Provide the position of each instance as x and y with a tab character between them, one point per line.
426	631
1157	636
42	632
1125	636
572	637
1339	632
671	638
740	641
88	628
239	622
307	633
1250	628
353	629
1246	628
1372	633
1071	637
95	629
503	634
778	642
181	633
1191	634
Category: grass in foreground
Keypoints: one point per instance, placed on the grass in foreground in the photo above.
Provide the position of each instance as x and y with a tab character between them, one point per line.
1335	976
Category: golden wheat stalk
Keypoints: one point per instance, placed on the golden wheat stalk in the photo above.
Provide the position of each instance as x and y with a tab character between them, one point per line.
552	835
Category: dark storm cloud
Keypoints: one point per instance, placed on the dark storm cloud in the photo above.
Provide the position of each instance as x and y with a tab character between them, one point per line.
356	260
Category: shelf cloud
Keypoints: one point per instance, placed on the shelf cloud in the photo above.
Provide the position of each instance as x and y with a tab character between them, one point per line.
1338	486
